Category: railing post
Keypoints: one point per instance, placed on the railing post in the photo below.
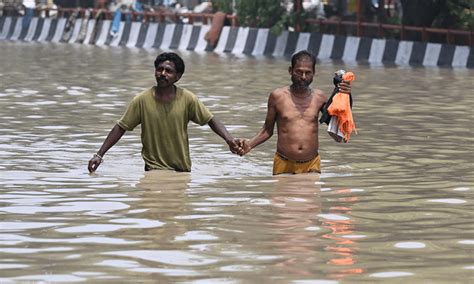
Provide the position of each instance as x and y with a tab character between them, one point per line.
359	18
424	35
402	32
359	29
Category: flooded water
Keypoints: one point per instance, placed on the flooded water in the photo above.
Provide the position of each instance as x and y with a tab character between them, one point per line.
393	205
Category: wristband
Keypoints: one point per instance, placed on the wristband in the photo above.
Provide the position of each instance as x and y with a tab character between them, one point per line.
98	156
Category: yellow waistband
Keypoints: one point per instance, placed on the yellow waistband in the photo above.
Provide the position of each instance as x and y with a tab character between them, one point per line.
298	162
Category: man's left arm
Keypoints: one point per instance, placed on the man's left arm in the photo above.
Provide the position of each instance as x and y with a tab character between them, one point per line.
219	128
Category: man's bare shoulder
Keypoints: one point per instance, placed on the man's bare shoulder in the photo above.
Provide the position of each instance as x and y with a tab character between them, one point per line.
279	93
319	94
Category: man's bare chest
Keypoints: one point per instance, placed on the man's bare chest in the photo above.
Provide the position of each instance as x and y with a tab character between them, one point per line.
291	111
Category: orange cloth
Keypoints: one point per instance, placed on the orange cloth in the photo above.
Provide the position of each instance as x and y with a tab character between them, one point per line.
341	109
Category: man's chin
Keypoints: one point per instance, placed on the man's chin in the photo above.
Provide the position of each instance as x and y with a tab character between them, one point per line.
302	86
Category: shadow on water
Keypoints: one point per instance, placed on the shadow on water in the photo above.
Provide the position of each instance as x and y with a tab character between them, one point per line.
392	205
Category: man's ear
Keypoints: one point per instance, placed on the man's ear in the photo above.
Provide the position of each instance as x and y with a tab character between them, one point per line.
179	76
290	69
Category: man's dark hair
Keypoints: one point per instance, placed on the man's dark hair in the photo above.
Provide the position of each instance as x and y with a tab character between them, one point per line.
173	57
301	54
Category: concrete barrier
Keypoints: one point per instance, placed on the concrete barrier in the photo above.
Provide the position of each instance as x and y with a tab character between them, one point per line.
239	41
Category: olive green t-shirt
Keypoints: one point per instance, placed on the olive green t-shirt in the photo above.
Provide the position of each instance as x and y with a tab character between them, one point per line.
165	127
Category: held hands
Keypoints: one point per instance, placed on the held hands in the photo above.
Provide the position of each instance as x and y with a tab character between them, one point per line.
245	146
239	146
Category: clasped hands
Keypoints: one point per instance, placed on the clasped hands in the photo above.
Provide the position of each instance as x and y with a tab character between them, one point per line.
239	146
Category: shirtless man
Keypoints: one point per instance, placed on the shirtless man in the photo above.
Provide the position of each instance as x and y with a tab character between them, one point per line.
295	110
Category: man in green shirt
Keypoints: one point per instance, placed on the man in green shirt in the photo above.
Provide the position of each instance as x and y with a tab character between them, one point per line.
164	111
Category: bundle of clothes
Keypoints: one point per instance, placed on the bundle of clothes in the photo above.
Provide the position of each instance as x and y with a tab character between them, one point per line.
337	112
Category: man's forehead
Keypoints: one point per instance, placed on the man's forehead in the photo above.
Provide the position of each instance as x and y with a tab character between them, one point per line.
167	63
304	63
304	60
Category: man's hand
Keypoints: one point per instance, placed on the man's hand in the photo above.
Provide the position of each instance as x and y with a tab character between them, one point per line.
94	163
244	146
234	145
344	87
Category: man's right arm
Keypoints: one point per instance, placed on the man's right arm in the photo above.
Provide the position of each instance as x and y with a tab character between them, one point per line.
112	138
266	131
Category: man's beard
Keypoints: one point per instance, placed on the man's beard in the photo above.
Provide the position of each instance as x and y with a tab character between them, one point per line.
301	84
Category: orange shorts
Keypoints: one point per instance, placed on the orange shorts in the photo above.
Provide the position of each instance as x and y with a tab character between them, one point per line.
283	165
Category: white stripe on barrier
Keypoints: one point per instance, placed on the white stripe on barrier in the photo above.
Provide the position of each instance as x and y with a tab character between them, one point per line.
376	50
461	54
90	30
59	30
261	42
133	35
202	42
75	31
116	40
31	29
432	54
103	33
222	39
17	30
45	30
404	53
150	35
185	37
280	44
241	40
6	28
167	36
325	50
350	49
303	41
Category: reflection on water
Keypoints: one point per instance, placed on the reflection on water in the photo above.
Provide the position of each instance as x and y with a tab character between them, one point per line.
392	205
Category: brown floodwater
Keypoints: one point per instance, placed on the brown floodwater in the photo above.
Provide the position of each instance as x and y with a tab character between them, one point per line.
393	205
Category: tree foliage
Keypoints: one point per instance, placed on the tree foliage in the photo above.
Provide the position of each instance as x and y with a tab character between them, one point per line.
261	13
222	5
448	14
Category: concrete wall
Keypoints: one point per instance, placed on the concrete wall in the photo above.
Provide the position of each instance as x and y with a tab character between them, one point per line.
238	40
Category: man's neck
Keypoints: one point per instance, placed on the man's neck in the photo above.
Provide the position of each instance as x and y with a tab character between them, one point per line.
300	92
165	94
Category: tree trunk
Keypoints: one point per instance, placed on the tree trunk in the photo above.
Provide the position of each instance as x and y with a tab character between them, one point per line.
298	7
